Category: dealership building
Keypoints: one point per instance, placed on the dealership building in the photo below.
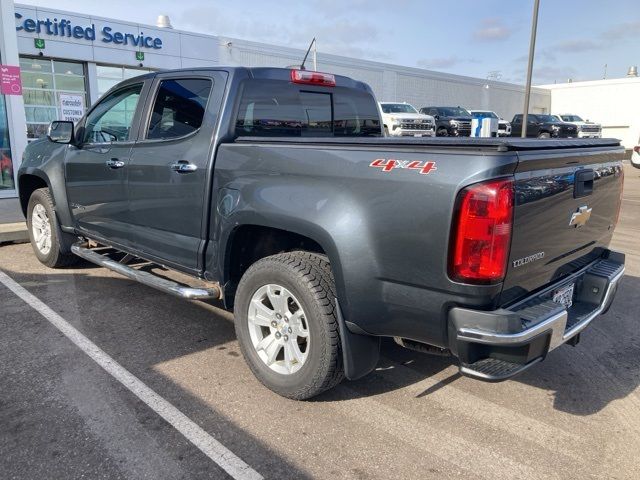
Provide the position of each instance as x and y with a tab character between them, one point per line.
68	60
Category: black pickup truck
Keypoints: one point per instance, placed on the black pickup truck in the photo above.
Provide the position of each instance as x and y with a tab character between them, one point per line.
275	192
450	121
543	126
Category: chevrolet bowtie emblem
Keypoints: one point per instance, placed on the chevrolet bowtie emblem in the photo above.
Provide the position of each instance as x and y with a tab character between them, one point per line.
581	217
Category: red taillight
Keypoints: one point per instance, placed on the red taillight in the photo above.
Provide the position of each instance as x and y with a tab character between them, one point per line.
482	232
637	149
313	78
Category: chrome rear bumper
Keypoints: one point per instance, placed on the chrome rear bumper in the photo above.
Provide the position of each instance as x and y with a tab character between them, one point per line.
523	334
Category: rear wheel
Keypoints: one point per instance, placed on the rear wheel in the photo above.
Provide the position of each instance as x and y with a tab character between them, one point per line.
286	324
51	245
544	135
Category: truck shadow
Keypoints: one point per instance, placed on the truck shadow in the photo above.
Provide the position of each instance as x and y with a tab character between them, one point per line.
145	330
602	368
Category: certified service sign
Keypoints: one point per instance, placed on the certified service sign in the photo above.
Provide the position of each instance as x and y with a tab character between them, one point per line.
71	107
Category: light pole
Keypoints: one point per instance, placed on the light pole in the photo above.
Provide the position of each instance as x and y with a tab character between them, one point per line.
532	49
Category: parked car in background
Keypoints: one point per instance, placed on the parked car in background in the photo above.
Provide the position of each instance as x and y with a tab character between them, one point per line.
635	156
586	129
504	127
403	120
450	121
543	126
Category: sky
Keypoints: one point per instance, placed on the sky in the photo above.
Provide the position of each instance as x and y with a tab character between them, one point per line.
485	39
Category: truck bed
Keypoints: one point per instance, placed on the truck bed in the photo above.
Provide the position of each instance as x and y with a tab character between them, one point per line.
501	144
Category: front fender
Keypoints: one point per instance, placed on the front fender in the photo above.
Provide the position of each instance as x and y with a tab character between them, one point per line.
45	160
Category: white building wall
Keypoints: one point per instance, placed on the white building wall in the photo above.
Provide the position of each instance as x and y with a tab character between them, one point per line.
613	103
179	49
395	83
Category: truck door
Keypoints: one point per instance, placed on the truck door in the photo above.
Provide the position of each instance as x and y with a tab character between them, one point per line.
170	167
96	169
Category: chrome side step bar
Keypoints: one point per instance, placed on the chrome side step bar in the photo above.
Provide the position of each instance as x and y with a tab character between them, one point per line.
146	278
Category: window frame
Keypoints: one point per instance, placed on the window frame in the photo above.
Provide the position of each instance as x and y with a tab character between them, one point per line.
135	121
151	100
240	96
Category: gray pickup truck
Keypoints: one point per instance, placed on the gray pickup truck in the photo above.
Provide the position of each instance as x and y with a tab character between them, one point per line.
275	192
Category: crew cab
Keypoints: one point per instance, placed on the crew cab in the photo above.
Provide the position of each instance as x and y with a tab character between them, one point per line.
274	192
403	120
450	121
504	127
543	126
586	129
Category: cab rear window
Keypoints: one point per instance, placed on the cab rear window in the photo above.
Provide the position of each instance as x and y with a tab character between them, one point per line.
273	108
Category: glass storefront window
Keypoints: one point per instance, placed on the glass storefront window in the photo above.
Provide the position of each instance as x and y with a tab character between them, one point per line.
110	76
35	65
42	82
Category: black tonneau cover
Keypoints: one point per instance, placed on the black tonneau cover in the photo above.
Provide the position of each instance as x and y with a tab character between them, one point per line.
499	144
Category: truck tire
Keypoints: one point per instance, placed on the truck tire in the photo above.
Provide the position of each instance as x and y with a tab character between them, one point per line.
544	135
442	132
50	244
286	323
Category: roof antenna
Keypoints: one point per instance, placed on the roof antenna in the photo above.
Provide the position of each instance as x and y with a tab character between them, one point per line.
307	54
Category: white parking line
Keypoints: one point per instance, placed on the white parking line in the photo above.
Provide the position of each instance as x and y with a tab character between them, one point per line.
213	449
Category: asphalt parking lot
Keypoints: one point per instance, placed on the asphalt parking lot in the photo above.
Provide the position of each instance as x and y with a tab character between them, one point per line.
62	415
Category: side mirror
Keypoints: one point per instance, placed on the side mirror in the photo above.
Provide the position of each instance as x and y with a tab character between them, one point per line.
436	117
60	131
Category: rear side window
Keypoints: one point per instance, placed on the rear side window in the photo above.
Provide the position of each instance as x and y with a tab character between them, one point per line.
272	108
179	107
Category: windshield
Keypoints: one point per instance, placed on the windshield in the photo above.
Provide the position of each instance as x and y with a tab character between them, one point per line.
547	118
453	112
571	118
484	113
397	108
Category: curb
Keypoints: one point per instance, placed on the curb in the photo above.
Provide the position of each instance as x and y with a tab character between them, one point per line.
14	232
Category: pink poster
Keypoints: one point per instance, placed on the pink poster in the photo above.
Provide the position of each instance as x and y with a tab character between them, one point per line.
10	83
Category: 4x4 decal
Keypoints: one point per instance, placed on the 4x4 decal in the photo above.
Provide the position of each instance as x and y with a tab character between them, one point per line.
388	164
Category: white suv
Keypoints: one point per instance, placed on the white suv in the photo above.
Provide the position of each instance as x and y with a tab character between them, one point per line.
403	120
586	129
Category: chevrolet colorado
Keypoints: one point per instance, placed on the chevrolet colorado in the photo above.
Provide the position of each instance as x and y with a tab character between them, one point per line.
275	192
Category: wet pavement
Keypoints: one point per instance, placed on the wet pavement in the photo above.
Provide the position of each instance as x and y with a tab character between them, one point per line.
576	415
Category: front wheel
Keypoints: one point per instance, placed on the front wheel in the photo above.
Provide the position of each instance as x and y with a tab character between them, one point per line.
285	319
442	132
544	135
50	244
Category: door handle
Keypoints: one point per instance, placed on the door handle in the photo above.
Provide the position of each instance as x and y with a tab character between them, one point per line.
182	166
114	163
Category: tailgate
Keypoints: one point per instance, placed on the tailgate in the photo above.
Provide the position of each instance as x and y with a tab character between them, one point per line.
566	207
